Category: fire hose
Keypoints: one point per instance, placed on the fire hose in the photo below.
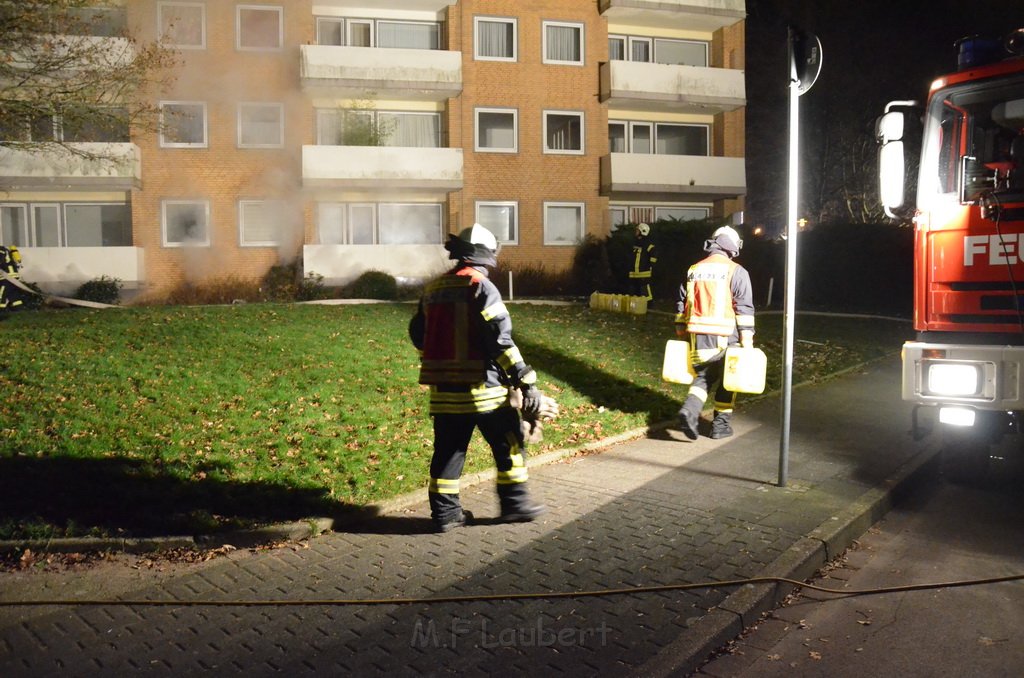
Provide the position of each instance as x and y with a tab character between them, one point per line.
548	595
65	300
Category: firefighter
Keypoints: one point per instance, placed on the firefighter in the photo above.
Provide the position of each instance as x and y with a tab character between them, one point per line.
11	296
716	310
643	263
468	358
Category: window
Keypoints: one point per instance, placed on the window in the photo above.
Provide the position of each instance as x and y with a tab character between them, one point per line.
92	225
382	223
681	139
409	35
640	134
682	213
640	49
330	31
409	224
260	125
681	52
259	222
563	132
13	225
563	223
360	33
97	21
182	24
497	130
618	217
563	43
259	27
617	137
82	124
616	47
182	124
411	130
494	39
356	127
185	223
500	218
66	225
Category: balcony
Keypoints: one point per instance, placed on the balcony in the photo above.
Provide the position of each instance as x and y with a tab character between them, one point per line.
381	73
627	176
382	168
341	264
665	88
405	5
61	270
694	15
92	166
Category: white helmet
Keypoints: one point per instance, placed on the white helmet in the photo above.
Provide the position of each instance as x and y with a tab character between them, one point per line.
479	235
643	229
728	239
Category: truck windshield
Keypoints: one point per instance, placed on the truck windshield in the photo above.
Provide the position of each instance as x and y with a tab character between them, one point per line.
984	121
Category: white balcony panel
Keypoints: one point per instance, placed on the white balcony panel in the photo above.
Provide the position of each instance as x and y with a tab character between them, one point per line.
384	168
341	264
62	269
672	176
381	72
697	15
111	166
668	88
376	7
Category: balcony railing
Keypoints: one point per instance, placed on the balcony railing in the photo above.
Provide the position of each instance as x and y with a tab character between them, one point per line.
382	72
61	270
696	15
382	168
672	177
341	264
669	88
98	166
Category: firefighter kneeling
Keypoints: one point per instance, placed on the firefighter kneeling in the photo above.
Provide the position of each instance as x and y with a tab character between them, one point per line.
464	334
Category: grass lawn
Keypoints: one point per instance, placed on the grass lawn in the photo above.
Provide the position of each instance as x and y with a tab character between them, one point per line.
184	420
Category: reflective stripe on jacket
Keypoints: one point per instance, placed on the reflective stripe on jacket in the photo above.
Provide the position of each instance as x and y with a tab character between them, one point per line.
643	260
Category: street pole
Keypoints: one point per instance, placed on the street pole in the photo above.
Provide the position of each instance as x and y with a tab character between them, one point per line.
804	66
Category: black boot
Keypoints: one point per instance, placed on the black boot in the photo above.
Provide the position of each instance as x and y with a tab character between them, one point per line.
516	505
720	425
689	415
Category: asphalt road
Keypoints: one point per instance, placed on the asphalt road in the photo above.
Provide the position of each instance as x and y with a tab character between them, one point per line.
944	532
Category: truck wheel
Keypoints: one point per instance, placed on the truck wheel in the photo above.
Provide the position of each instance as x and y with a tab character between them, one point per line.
965	458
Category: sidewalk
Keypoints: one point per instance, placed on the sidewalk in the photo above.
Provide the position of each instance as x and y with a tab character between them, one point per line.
656	511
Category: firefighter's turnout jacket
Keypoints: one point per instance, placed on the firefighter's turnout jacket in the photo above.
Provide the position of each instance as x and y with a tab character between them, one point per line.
10	264
715	304
643	261
464	334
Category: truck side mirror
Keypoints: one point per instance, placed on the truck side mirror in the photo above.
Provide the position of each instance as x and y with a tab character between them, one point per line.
892	163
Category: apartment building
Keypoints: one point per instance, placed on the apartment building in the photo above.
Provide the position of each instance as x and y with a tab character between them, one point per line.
354	135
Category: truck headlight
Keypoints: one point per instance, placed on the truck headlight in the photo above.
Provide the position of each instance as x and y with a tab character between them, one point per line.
952	379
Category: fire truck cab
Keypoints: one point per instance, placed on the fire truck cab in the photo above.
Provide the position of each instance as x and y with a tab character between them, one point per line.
966	364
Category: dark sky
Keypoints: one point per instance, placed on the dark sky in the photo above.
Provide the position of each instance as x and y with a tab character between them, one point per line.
874	51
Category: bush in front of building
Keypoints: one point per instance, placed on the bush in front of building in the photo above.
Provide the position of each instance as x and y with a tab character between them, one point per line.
223	290
372	285
102	290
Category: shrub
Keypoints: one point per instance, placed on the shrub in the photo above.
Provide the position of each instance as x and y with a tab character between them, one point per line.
373	285
281	283
224	290
102	290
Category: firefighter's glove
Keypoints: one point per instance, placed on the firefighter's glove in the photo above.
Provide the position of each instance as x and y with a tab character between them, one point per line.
537	406
533	431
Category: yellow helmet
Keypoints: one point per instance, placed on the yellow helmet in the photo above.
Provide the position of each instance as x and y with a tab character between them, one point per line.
15	254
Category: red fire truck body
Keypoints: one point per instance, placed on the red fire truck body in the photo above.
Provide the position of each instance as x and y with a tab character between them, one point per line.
967	361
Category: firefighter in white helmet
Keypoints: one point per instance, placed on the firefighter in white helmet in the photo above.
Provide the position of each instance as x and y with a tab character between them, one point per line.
642	263
476	373
715	310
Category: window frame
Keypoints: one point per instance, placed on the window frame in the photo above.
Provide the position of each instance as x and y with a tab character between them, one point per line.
514	21
165	203
336	20
259	8
581	206
513	204
703	43
164	143
579	115
266	203
704	126
514	112
581	42
262	105
202	21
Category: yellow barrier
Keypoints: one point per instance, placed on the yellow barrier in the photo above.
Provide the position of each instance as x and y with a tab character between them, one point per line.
618	303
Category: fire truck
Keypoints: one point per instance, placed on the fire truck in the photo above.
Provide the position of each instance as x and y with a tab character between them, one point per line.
965	368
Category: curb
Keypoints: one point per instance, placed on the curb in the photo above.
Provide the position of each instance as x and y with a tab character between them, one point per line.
800	562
